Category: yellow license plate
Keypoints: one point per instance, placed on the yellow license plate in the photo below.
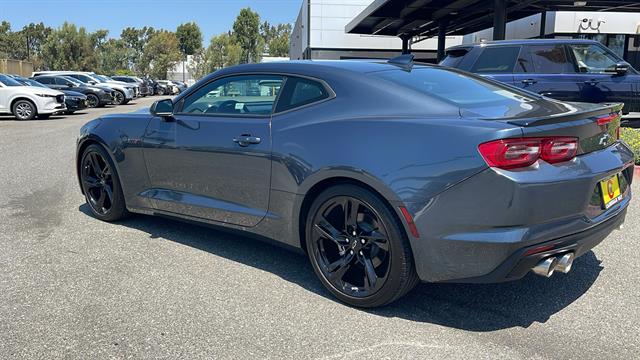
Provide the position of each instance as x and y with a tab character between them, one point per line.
610	189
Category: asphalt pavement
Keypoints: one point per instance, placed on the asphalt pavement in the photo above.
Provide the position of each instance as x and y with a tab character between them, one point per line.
74	287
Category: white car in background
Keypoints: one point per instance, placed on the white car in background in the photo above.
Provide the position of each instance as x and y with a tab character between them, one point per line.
124	92
27	102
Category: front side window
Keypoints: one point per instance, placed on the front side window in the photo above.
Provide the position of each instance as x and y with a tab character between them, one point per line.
299	92
244	94
496	60
549	59
45	80
593	59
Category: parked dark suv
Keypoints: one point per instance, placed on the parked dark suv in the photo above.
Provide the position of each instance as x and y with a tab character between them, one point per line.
564	69
96	96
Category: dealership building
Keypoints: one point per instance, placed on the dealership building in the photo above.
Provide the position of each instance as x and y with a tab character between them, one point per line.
375	29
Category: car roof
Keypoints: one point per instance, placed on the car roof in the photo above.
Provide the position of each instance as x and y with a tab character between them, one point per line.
524	42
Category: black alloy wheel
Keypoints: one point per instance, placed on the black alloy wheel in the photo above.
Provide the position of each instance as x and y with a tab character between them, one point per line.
101	185
92	100
357	247
119	98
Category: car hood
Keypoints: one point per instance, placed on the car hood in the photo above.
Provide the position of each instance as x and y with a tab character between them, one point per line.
38	90
72	93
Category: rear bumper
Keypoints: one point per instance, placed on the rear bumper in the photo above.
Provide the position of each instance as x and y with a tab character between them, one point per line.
479	229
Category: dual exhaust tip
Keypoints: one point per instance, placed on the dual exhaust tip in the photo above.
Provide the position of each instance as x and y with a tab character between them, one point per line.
548	266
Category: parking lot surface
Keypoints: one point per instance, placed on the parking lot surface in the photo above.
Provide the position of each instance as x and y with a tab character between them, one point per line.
74	287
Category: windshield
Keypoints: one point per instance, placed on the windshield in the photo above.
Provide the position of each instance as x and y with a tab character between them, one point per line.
101	78
7	81
74	81
455	87
34	83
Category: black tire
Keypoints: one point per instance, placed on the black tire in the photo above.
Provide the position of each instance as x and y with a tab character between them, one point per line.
125	102
70	112
101	185
93	101
378	255
120	98
24	110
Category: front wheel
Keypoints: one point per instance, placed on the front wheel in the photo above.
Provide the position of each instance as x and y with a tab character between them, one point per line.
101	185
119	98
24	110
93	100
358	248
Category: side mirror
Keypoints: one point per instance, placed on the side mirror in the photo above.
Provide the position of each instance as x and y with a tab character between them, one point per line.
69	85
162	108
92	82
622	68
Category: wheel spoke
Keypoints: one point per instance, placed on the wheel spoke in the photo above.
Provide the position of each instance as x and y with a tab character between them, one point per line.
90	182
95	165
350	207
370	277
109	193
378	238
100	200
338	268
328	231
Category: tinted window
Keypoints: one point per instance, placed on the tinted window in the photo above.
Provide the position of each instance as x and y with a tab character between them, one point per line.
7	81
246	94
45	80
61	81
593	59
549	59
457	88
496	59
454	57
299	92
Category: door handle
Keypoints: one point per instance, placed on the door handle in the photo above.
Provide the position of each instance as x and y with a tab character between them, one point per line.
591	82
246	140
529	81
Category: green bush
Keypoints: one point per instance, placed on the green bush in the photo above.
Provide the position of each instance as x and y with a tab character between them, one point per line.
632	137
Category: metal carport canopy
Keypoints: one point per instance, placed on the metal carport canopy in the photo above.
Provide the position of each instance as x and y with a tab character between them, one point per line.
422	18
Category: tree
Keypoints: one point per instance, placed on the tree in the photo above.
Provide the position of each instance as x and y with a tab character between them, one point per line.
162	52
135	40
34	36
190	40
246	30
113	56
69	48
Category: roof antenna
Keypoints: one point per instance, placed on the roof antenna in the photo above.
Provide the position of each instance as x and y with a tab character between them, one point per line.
404	61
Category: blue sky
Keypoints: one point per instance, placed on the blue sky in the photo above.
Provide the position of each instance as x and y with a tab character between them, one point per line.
213	16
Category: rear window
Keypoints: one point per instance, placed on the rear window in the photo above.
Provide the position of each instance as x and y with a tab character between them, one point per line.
496	60
457	88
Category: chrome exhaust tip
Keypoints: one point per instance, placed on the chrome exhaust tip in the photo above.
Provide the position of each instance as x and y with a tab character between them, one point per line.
565	262
546	267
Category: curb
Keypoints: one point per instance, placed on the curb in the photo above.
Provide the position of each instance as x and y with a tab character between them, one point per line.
636	171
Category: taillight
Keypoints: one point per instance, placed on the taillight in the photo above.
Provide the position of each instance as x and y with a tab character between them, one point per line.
522	152
605	119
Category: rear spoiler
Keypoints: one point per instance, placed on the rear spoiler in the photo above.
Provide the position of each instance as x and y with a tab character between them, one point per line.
606	109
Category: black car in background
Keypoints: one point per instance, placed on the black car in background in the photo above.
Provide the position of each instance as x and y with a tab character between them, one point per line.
73	100
563	69
96	96
142	85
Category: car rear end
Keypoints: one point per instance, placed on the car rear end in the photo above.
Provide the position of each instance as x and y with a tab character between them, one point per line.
553	181
545	198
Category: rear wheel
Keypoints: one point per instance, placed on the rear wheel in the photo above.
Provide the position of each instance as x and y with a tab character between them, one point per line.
24	110
101	185
93	100
357	247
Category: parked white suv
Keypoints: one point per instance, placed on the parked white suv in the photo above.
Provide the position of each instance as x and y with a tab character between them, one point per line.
123	92
27	102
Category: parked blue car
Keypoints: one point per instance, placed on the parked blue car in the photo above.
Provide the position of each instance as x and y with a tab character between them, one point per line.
564	69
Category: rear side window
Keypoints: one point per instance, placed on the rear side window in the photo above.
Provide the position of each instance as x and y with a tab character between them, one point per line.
458	88
299	92
496	60
549	59
44	80
454	57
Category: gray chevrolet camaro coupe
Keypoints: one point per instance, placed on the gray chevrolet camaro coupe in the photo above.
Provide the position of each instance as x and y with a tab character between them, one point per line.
384	173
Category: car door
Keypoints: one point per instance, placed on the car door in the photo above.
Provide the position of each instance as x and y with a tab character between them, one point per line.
545	69
212	159
61	84
597	78
497	62
4	98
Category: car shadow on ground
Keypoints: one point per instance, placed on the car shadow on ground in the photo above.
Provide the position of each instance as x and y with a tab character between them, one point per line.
474	307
